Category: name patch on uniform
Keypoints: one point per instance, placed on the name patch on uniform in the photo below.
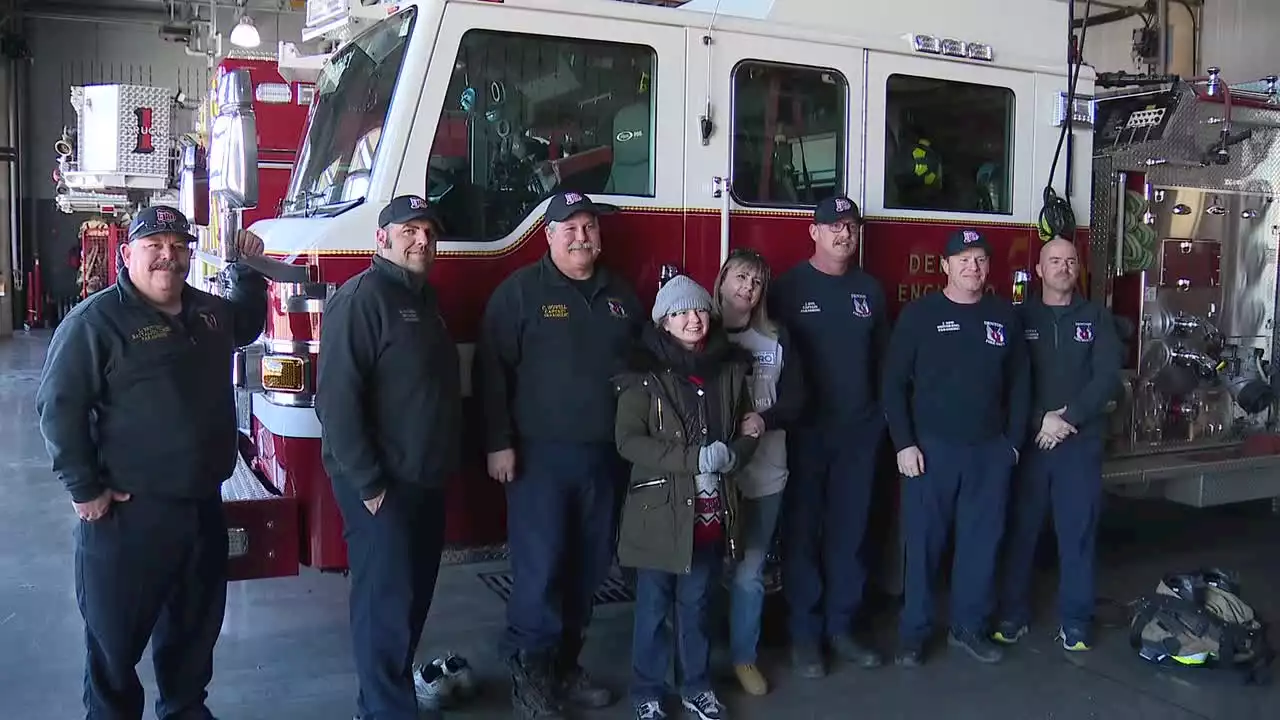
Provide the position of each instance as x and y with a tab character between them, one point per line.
861	307
617	309
810	306
995	333
1031	334
409	315
147	333
949	326
1084	332
555	311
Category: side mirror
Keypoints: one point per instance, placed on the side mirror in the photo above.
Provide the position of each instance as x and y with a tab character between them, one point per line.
233	143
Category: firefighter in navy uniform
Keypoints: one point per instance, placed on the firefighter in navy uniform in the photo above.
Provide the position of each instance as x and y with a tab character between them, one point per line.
956	395
554	335
389	400
837	316
1075	365
138	415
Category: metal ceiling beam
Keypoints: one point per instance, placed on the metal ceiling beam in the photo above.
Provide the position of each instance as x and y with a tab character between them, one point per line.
153	12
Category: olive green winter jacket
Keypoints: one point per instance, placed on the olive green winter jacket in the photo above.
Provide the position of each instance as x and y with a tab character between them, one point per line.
660	429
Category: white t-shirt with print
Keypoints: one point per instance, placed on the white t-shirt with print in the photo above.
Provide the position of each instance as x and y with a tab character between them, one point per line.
766	474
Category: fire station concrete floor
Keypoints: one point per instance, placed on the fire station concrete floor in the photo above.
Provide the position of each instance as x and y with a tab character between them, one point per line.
284	652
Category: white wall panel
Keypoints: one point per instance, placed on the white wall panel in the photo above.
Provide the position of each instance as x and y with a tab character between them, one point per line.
1239	36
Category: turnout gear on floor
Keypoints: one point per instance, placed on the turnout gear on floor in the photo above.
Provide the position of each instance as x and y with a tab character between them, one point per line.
1199	619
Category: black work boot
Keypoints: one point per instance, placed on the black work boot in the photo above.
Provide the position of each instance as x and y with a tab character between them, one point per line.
852	651
573	686
532	684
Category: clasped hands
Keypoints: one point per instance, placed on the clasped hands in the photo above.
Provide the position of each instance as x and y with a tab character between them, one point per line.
1053	429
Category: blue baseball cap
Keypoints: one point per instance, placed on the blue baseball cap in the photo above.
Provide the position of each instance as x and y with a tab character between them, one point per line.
160	219
834	209
567	204
963	239
404	208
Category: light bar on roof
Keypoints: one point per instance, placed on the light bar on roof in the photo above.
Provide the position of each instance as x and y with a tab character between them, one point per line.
951	47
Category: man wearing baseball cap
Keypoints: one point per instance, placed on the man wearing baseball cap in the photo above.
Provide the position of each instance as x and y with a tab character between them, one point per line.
139	418
836	316
388	397
957	396
554	334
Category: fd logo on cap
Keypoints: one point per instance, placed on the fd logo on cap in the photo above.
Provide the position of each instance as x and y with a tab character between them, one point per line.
165	216
416	203
970	236
995	333
843	205
572	198
1084	332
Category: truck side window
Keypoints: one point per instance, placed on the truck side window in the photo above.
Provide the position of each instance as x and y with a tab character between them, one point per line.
527	116
948	146
788	133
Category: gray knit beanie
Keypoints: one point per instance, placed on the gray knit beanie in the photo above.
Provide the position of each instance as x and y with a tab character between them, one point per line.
680	293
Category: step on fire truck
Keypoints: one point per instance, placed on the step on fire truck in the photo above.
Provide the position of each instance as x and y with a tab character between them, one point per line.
719	124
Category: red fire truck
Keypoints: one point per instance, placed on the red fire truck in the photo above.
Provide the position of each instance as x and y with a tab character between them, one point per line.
719	124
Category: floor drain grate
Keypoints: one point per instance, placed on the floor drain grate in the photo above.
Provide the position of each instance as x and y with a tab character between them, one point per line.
613	590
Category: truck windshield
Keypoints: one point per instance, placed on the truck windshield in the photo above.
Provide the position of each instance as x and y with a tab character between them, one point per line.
353	95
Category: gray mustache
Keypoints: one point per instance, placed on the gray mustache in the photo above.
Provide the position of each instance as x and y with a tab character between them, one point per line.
165	265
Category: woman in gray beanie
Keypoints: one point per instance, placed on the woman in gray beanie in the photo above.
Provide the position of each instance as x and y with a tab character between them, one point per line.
686	422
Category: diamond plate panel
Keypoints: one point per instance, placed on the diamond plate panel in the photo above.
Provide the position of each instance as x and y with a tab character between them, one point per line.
142	126
1178	157
243	484
140	97
1102	230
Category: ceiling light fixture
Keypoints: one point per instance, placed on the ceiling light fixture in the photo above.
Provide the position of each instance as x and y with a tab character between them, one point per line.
245	33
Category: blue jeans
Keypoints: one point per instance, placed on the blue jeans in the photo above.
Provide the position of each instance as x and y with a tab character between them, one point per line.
758	518
651	643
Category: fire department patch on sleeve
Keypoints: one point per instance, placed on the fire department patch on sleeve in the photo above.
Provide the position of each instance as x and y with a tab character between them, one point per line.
861	307
995	333
1084	332
617	309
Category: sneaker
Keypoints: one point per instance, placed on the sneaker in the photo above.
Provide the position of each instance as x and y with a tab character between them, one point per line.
650	710
978	647
909	656
1073	639
458	672
432	687
705	706
806	660
852	651
1008	633
751	679
578	690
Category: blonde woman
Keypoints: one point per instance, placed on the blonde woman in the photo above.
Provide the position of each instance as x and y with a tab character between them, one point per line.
776	385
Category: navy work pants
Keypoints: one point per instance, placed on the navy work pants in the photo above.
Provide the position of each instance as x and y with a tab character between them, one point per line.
561	513
826	501
394	558
966	485
1068	481
155	570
